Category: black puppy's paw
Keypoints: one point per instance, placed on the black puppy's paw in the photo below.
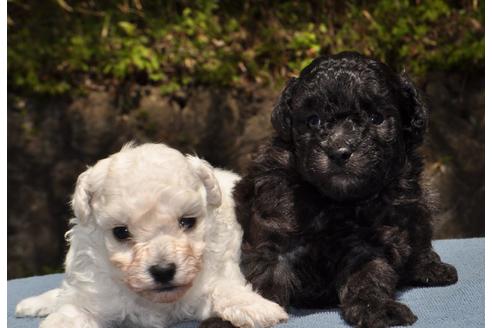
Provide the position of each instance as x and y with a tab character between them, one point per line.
216	322
379	315
435	274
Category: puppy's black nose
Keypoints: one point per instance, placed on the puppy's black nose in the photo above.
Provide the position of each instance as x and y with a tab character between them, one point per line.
340	155
163	274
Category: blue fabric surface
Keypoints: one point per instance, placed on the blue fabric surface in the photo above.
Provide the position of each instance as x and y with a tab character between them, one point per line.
457	306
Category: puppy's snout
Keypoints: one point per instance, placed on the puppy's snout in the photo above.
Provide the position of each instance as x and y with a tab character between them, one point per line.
163	273
340	155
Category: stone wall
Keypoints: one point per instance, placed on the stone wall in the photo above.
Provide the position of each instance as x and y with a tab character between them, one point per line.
50	142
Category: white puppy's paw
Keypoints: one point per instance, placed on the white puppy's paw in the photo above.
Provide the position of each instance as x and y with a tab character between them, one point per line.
30	307
37	306
68	316
256	312
57	320
60	320
265	313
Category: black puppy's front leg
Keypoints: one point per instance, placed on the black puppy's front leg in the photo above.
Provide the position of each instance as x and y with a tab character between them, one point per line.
216	322
429	270
271	274
366	297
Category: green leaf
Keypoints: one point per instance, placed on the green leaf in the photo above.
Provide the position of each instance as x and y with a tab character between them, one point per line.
127	27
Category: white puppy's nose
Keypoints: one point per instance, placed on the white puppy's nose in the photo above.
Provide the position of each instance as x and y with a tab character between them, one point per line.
163	273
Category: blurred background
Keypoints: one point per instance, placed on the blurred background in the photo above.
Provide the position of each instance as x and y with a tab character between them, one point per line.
85	77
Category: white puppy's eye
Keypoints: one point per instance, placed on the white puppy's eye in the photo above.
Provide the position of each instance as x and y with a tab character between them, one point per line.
187	223
121	233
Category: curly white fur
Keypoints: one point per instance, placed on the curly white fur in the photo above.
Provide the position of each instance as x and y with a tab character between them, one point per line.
148	188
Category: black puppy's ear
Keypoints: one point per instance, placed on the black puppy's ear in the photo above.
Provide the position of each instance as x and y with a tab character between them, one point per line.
415	114
282	113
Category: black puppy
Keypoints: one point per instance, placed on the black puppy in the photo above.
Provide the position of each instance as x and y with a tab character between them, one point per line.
332	208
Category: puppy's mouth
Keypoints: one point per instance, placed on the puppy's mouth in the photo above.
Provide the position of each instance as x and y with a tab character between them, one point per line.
165	294
168	288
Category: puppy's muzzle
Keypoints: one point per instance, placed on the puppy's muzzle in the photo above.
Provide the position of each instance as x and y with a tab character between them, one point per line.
340	155
341	142
163	274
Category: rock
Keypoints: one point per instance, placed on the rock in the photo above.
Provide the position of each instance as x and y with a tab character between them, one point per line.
455	153
51	142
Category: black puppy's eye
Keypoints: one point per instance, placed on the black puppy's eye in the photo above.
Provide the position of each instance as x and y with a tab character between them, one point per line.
187	223
121	233
313	121
376	118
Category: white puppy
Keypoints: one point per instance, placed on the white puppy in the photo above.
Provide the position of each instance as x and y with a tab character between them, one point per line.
154	241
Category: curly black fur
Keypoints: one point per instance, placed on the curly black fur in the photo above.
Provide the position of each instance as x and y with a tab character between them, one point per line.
332	207
216	322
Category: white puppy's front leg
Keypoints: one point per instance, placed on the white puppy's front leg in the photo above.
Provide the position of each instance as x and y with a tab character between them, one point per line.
38	306
244	308
70	316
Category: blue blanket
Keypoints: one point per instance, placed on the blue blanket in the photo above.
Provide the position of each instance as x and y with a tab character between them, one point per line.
457	306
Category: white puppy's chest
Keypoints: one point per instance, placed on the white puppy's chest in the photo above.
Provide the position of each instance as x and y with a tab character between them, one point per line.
114	304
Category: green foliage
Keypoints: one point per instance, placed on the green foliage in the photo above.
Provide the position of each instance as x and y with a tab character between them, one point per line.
56	47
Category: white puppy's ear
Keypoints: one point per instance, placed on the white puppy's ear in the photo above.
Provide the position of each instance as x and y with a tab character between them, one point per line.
206	174
88	183
82	197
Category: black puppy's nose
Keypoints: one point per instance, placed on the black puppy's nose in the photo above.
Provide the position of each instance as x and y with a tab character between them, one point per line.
340	155
163	274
